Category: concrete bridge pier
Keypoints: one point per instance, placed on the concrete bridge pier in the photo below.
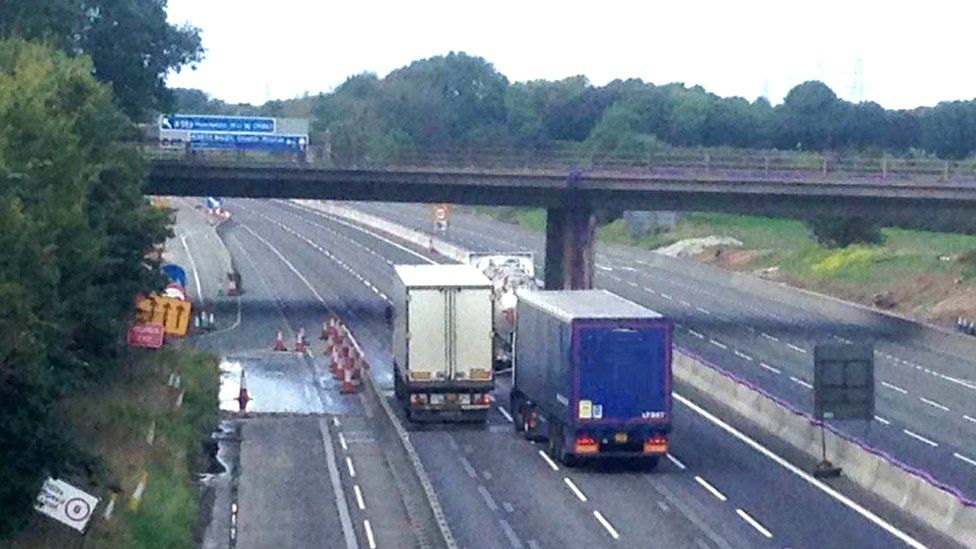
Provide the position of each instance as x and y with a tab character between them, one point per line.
570	241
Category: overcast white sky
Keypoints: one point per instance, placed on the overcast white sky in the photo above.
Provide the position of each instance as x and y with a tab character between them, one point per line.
910	53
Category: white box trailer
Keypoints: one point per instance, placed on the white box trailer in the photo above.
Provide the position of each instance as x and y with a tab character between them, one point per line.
509	273
442	341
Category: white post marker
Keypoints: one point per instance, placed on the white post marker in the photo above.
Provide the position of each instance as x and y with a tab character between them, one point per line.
66	504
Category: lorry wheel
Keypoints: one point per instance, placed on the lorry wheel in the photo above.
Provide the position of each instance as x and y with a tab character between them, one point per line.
518	419
397	383
649	462
557	446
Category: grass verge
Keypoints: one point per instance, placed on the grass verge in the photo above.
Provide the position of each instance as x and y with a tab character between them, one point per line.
111	422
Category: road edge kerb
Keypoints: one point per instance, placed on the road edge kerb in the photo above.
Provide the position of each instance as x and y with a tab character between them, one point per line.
418	467
912	490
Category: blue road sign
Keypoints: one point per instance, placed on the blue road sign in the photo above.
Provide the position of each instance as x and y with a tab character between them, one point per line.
248	141
214	203
211	123
175	273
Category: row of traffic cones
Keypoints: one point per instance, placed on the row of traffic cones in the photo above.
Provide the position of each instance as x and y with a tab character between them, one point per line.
346	360
301	342
204	321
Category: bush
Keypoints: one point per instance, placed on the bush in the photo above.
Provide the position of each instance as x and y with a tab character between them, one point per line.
840	232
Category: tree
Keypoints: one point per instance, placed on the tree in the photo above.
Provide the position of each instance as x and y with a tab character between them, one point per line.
809	117
840	232
132	45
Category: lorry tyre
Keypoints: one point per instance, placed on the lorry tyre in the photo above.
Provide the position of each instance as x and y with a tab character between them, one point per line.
557	446
518	420
397	383
650	462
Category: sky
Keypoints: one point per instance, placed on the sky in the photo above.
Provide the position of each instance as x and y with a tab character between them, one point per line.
899	54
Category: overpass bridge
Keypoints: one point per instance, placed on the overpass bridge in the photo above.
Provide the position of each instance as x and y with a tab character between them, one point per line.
571	195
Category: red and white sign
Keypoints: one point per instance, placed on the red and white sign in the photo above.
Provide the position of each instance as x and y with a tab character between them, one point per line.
146	335
65	503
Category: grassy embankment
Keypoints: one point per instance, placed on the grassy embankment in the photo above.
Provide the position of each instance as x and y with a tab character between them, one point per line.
928	274
112	421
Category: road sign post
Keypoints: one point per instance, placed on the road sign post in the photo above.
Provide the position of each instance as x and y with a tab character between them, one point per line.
843	388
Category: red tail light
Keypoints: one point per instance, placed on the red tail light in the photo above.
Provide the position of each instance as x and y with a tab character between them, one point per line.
585	444
657	444
485	399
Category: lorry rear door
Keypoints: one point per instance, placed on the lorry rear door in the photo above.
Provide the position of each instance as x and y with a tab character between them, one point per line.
427	334
623	373
472	341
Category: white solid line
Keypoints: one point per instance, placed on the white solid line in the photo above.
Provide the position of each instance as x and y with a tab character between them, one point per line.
714	491
754	523
882	420
967	418
359	497
504	412
552	464
770	337
606	524
193	267
677	462
718	344
352	470
348	531
919	437
342	442
696	334
743	355
369	534
894	387
770	368
934	404
841	498
579	494
799	381
287	263
795	348
961	457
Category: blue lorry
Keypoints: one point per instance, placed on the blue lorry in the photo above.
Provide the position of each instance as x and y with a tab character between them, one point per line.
592	375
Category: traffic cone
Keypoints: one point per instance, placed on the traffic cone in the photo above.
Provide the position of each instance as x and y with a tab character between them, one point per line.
242	396
211	323
196	322
342	354
325	330
347	385
301	343
279	344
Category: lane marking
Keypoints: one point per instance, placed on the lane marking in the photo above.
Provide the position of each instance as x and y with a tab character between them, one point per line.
606	525
504	412
193	267
359	497
807	477
961	457
677	462
468	468
348	532
718	344
604	268
574	489
801	382
685	303
486	495
369	534
510	534
882	420
286	262
894	387
336	422
699	335
934	404
711	489
666	296
552	464
770	368
795	348
703	311
742	355
920	438
352	470
769	337
650	290
754	523
342	442
967	418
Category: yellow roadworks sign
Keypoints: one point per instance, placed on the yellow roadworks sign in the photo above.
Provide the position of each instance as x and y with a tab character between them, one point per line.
174	314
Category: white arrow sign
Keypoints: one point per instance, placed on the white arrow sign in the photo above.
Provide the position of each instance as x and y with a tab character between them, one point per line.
65	503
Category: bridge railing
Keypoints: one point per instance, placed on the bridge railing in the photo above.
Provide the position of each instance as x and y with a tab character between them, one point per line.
779	165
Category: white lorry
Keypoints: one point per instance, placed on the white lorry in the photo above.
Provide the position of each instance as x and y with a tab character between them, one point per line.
509	273
442	342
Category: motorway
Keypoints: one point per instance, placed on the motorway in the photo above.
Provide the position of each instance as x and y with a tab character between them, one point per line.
497	490
926	397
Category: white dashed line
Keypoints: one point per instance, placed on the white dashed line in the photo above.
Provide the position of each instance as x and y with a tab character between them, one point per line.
882	420
699	335
801	382
650	290
468	468
795	348
369	534
718	344
342	442
685	303
505	414
970	419
604	268
336	422
606	524
742	355
920	438
754	523
934	404
769	337
486	495
894	387
770	368
961	457
574	489
552	464
703	311
352	470
677	462
359	497
711	489
666	296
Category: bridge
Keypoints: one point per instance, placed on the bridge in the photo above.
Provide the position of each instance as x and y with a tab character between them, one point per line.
790	186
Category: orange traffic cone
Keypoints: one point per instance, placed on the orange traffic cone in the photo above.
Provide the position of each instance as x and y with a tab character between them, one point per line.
347	385
279	344
242	397
301	342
